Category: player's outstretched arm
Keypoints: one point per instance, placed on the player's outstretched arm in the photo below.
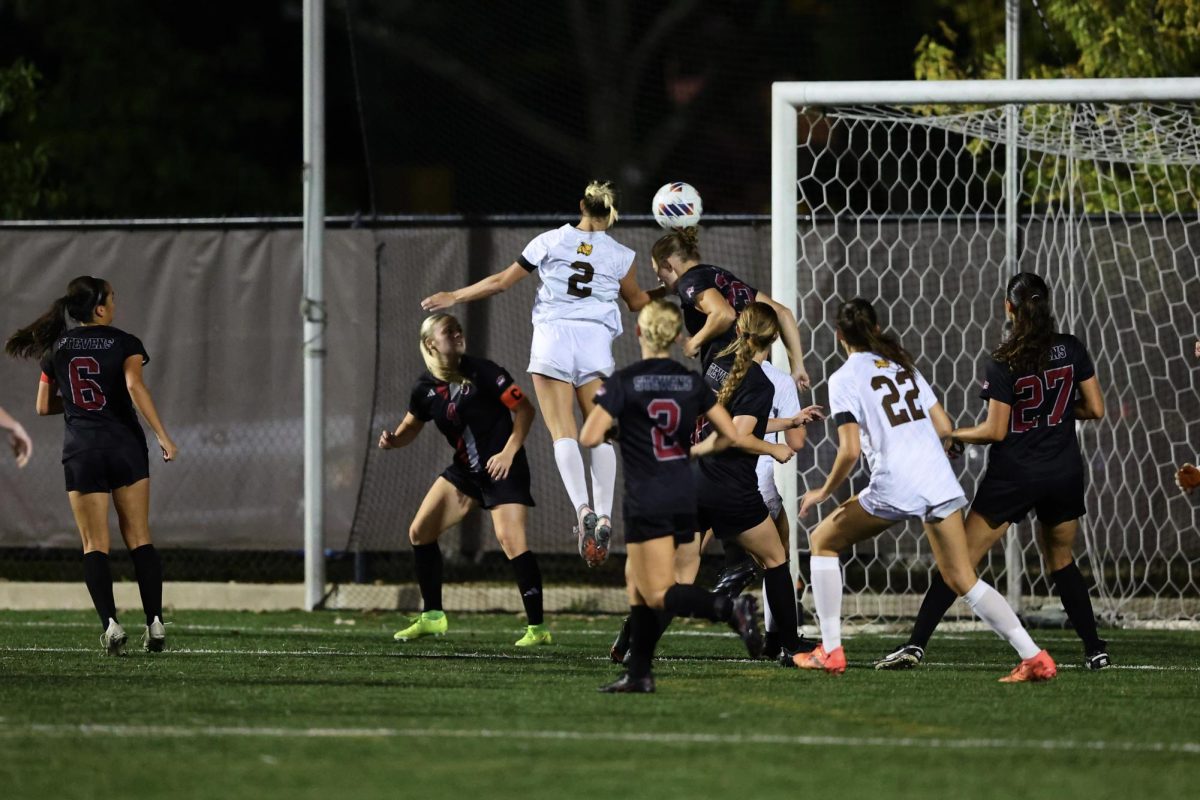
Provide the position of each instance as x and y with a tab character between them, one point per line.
1091	400
492	284
18	439
849	449
789	331
404	434
636	298
993	428
144	403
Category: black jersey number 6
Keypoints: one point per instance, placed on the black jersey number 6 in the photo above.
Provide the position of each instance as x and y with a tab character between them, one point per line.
892	398
577	285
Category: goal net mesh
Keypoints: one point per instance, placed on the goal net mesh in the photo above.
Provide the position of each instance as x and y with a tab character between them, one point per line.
906	206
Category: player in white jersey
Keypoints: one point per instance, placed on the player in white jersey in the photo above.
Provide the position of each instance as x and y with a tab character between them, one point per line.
885	409
787	425
583	271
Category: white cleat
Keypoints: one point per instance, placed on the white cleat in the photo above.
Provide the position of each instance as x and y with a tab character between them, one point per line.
113	639
154	640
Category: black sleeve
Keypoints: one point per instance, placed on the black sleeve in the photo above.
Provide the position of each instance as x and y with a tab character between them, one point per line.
418	404
753	399
706	398
611	396
133	347
526	264
1084	368
493	379
692	285
997	382
47	365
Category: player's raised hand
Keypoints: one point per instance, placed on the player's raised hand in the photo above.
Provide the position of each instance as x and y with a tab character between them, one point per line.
811	499
438	302
807	415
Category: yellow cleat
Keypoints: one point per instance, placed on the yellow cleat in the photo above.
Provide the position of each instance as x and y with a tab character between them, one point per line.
535	635
430	623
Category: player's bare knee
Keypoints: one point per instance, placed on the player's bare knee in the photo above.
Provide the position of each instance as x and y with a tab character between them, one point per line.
959	581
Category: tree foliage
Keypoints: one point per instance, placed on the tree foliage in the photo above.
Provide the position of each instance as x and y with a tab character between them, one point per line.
24	189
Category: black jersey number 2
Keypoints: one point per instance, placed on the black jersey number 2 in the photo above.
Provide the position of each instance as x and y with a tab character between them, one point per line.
577	286
892	398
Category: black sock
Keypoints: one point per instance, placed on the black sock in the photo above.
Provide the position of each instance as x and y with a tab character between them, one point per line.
683	600
529	582
937	602
735	554
781	594
147	565
427	560
644	631
1072	590
98	578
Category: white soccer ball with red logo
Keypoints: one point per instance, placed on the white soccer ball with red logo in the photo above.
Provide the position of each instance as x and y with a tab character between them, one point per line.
677	205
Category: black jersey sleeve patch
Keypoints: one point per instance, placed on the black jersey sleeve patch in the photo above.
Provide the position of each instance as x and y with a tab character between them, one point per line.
844	418
526	264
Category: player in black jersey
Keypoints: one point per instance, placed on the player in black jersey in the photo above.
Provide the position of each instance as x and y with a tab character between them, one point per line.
654	404
92	374
1037	384
485	417
712	297
730	502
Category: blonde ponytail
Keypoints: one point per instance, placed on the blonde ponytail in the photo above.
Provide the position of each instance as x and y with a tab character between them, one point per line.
600	202
660	323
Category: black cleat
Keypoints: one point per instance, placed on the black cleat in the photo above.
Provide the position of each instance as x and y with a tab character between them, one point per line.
620	645
1098	659
904	657
772	647
807	645
733	580
627	684
744	620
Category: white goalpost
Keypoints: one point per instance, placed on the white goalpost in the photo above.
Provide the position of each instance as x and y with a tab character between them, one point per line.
924	197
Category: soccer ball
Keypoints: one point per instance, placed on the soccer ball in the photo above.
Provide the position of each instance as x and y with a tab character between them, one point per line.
677	205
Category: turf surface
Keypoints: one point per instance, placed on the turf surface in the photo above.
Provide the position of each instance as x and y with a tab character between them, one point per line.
325	705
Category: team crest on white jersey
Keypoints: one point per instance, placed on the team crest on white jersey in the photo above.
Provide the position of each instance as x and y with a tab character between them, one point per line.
584	249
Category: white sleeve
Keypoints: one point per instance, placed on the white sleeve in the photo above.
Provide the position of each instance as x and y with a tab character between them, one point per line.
842	397
787	399
535	252
927	397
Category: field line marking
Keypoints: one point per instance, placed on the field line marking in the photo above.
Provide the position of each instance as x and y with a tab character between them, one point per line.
666	738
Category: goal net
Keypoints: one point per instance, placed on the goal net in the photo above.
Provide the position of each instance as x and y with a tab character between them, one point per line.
904	198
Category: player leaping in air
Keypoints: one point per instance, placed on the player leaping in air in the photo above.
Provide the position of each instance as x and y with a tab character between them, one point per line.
575	319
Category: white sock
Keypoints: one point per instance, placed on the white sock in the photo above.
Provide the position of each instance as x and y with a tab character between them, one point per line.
993	609
604	478
768	618
570	467
827	594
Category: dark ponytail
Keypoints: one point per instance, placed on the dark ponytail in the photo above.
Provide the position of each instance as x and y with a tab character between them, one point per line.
1027	349
79	303
859	327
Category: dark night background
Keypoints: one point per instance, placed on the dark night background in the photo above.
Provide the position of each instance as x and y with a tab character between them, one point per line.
160	109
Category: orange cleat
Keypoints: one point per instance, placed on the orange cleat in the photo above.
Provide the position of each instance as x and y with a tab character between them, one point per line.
1038	668
834	663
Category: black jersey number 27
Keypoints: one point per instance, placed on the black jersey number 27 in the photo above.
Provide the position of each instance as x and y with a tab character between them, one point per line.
899	416
577	286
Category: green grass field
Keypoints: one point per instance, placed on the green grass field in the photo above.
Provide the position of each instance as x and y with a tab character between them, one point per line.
326	706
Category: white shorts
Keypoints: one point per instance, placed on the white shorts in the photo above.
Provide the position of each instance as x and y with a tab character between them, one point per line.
874	504
770	496
575	351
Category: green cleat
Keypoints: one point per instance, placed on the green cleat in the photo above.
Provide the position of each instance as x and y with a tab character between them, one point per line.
535	635
430	623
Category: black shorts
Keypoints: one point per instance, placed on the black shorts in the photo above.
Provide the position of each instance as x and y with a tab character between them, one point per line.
489	493
729	522
642	528
103	470
1055	498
